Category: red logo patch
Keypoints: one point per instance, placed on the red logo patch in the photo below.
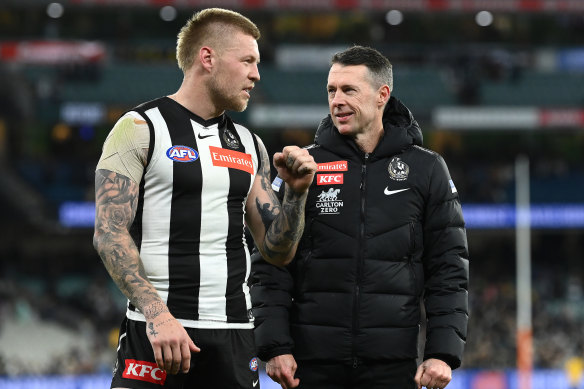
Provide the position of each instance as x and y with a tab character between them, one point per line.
335	166
144	371
232	159
329	179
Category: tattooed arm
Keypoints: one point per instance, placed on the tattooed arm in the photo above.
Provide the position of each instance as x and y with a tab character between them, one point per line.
116	198
277	228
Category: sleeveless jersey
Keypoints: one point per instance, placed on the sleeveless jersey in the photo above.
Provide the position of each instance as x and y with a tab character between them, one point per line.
189	225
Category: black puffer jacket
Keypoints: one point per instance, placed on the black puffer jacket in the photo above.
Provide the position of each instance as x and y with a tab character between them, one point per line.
381	231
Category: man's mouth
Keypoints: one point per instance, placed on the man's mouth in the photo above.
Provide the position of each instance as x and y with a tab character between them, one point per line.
343	117
248	91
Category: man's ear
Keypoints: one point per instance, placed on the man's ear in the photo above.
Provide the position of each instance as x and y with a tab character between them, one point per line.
383	95
206	55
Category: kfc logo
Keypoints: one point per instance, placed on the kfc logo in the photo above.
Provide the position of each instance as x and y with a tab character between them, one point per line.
144	371
329	179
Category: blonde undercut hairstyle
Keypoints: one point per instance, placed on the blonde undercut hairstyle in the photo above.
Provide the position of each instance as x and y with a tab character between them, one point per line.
207	28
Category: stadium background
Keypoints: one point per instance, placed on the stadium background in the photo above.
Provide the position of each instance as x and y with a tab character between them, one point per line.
487	80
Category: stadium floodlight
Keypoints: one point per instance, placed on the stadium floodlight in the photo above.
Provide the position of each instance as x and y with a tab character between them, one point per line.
484	18
394	17
55	10
168	13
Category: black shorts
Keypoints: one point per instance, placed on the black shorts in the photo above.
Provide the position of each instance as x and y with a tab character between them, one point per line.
227	360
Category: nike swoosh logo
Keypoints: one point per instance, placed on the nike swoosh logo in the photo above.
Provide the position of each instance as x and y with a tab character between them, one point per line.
390	192
204	136
255	383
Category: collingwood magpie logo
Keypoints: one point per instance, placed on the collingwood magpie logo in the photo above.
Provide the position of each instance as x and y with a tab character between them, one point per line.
230	139
329	203
398	169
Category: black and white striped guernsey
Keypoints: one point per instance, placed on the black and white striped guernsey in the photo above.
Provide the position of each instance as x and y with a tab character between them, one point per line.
189	225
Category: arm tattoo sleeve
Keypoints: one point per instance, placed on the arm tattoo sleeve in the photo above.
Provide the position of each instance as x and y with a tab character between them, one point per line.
286	229
116	198
269	210
284	223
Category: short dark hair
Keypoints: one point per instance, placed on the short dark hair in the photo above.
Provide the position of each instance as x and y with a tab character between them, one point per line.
379	66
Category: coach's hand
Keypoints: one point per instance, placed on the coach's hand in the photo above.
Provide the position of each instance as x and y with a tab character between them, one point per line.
296	167
433	374
170	342
282	369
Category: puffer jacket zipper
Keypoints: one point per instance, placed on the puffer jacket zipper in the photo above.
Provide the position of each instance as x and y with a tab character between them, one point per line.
360	259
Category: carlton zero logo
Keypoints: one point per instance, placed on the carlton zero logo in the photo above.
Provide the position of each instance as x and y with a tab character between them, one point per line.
144	371
329	203
231	158
334	166
182	154
329	179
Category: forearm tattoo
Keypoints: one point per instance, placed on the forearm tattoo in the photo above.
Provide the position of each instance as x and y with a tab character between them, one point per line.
284	223
116	199
286	229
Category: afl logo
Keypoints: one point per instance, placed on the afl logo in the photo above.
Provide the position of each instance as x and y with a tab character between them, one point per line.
253	364
182	154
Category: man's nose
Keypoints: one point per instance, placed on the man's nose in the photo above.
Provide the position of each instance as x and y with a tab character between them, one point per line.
255	74
338	99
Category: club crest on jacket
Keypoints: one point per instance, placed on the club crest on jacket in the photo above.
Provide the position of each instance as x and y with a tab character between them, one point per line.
398	169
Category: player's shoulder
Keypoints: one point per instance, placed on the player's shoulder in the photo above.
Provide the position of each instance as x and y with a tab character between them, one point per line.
131	121
160	101
130	131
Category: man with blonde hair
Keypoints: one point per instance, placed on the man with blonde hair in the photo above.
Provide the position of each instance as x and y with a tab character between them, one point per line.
176	183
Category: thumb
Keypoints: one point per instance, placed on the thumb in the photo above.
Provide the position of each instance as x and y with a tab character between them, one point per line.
295	382
418	377
279	159
193	347
288	375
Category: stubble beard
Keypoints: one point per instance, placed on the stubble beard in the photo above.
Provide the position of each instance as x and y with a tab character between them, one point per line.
222	99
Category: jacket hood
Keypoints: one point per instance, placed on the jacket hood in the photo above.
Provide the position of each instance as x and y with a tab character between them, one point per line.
401	130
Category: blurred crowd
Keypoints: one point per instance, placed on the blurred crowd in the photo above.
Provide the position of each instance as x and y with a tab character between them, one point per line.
557	327
73	320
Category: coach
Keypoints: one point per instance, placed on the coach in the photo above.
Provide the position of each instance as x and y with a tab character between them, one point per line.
384	231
